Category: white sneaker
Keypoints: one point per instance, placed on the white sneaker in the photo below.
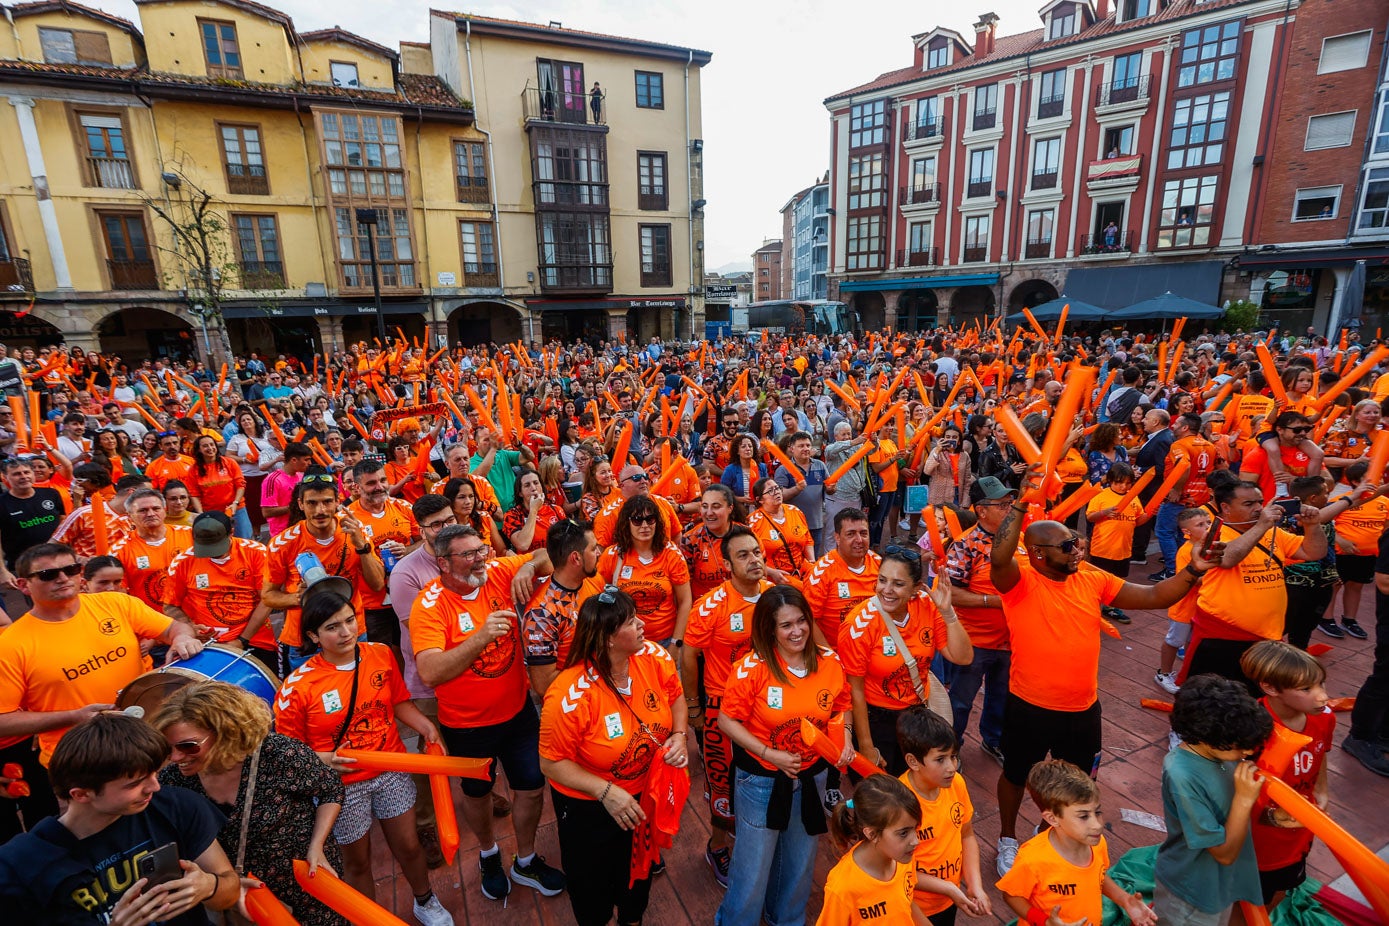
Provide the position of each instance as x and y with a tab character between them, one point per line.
1007	854
904	525
433	913
1167	681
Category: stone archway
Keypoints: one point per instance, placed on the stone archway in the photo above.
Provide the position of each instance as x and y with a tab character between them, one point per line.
18	331
143	331
916	310
972	304
872	310
474	323
1030	293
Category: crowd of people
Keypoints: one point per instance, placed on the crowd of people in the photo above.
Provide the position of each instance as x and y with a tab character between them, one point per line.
596	565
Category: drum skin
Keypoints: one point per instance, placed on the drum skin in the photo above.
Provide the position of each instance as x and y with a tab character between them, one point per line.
223	663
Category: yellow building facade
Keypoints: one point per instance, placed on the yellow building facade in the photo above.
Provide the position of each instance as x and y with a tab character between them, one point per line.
218	143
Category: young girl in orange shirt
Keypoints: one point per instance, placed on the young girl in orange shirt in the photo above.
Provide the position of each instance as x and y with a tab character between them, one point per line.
876	879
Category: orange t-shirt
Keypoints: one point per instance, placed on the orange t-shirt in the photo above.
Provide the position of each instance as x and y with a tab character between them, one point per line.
147	564
605	524
683	487
784	543
338	556
1363	526
834	590
1046	880
1113	538
868	650
651	584
1072	467
941	851
221	595
217	488
413	490
86	659
772	709
313	704
721	625
1251	598
1054	630
493	688
161	469
704	553
1184	610
1203	457
887	450
1251	407
395	522
614	737
854	897
969	567
547	626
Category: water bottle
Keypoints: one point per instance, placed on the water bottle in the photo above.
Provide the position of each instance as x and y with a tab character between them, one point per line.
389	558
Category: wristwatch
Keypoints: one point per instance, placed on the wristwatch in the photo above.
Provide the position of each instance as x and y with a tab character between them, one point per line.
363	550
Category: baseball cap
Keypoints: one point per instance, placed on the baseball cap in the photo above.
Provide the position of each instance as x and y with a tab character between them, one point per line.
211	535
993	489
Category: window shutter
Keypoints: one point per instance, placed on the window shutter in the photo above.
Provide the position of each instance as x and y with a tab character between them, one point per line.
1333	130
1344	52
92	47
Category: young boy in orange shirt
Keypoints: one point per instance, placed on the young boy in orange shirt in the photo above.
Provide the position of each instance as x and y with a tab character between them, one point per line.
1111	530
1195	524
947	857
1292	681
1060	876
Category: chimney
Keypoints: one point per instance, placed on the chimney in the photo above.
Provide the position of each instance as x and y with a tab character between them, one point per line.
1101	10
984	34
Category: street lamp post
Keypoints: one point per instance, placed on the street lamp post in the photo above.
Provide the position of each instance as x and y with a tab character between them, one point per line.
368	218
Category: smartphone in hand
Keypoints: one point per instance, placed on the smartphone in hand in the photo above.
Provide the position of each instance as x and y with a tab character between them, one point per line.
160	866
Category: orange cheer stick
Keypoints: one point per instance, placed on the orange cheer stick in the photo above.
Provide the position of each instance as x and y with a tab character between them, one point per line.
1369	872
483	415
1110	629
101	531
1077	500
1254	915
342	897
1277	755
415	764
1275	382
1153	704
1036	326
1061	322
1064	418
1131	495
445	815
35	416
928	517
1357	373
1341	705
1012	426
776	453
1379	456
1169	483
824	746
669	476
842	470
624	446
265	908
17	408
849	400
952	522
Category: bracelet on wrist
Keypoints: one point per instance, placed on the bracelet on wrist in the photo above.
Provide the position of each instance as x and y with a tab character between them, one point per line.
604	796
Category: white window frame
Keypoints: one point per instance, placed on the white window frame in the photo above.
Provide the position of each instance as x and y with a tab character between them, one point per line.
1318	192
1380	141
1364	36
943	53
1349	137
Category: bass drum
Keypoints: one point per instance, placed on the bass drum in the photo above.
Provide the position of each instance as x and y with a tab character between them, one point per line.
223	663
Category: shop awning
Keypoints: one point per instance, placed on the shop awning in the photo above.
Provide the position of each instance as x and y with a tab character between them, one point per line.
1114	288
1167	306
1051	311
959	279
1309	258
316	309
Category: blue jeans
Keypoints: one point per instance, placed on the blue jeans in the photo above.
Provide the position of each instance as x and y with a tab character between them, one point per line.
989	667
241	525
1169	536
770	874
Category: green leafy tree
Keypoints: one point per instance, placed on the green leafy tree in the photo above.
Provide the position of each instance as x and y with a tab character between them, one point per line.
1240	314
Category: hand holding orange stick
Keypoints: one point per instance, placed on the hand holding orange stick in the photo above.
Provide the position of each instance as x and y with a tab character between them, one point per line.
416	764
1132	494
669	476
1027	447
825	746
843	468
776	453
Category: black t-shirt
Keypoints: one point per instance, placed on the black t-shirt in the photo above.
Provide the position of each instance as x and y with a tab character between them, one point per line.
50	877
27	522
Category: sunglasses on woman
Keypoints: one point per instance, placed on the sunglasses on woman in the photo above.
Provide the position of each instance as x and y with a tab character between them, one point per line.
190	747
642	519
907	553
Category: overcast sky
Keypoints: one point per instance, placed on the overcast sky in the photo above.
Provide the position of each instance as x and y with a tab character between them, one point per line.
766	130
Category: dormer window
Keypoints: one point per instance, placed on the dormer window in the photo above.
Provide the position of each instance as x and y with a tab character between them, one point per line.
938	54
1137	9
344	74
1064	19
220	49
73	46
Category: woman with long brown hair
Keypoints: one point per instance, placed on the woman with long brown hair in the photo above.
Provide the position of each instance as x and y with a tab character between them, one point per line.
214	482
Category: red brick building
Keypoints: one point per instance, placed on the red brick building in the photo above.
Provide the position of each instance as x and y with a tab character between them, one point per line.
766	272
1111	155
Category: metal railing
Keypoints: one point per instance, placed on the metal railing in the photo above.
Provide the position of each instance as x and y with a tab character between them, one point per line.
133	274
985	119
656	200
480	273
247	180
111	173
976	255
262	274
1051	106
562	106
921	131
1112	242
926	193
16	277
979	187
575	277
1124	90
909	257
1038	248
1044	179
471	189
